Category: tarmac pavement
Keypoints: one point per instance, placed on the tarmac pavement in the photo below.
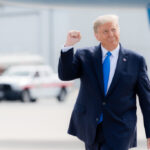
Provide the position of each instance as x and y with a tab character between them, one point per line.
43	126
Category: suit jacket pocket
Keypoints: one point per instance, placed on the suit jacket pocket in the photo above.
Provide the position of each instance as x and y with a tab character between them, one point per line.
127	75
130	123
79	108
127	79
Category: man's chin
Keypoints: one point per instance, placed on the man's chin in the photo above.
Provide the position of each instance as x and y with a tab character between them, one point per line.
113	44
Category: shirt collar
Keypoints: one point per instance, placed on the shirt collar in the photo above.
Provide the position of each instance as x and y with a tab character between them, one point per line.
114	52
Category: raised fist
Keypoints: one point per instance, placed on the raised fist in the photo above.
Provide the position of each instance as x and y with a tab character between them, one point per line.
73	37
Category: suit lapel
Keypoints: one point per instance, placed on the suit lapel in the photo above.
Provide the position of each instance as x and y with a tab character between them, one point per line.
97	59
121	64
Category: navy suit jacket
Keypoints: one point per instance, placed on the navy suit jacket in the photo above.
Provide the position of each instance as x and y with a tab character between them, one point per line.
118	106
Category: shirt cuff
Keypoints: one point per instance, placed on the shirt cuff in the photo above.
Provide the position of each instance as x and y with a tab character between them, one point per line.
66	49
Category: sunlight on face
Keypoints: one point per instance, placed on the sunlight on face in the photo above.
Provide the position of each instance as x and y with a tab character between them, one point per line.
109	35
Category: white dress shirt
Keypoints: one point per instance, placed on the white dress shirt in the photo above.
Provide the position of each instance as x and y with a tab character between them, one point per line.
65	49
113	60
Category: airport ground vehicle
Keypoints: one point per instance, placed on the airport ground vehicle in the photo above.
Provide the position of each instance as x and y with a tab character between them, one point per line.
29	83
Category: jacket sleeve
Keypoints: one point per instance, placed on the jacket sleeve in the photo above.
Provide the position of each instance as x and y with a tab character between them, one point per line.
144	95
69	66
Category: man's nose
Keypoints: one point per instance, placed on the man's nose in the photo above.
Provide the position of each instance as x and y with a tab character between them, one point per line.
110	33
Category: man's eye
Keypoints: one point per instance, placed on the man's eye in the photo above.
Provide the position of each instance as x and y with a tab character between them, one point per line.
113	30
105	31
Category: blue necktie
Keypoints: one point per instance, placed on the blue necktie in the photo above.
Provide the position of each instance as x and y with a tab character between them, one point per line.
106	71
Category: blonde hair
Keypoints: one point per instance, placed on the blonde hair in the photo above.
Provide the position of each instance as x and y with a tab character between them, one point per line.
105	19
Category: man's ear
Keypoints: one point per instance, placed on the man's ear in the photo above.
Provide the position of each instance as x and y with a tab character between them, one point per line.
97	36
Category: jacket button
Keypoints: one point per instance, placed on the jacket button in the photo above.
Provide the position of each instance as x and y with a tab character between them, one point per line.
104	103
97	119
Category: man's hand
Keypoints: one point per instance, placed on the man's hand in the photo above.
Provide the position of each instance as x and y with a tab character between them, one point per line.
148	143
73	37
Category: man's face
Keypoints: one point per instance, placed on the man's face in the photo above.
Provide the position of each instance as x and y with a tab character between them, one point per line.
108	34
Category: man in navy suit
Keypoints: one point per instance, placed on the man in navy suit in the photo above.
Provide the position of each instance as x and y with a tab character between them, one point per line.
104	115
